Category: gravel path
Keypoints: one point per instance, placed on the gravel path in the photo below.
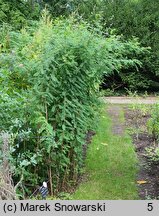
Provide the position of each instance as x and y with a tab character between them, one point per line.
130	100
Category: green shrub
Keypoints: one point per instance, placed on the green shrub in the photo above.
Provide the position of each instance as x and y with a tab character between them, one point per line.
152	155
49	86
153	123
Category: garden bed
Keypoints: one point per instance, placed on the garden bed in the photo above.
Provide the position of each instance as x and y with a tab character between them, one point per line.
148	175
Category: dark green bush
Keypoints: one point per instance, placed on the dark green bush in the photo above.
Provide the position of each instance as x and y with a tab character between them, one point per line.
140	19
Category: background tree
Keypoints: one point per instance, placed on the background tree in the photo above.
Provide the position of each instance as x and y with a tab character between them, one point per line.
18	13
137	18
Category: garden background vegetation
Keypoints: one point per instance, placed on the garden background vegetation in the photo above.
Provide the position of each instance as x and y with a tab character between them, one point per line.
54	56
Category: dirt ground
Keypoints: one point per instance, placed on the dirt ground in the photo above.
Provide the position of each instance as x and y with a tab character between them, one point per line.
141	139
130	100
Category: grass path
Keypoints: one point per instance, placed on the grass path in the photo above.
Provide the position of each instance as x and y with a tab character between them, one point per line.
111	165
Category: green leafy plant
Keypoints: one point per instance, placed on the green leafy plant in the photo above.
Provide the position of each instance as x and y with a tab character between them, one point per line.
139	111
152	155
153	123
50	81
